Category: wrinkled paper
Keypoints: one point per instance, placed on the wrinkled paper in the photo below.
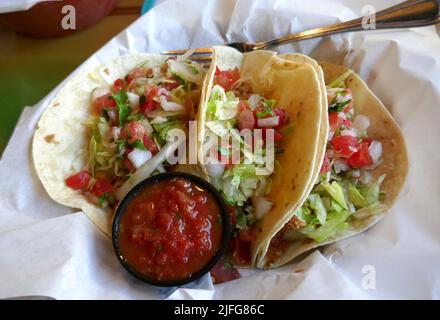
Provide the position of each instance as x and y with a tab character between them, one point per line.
48	249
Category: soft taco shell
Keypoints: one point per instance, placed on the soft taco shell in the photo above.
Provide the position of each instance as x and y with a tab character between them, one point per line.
296	87
60	144
394	163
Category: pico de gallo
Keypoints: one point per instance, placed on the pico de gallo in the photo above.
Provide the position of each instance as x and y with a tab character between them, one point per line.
130	121
234	110
170	230
344	188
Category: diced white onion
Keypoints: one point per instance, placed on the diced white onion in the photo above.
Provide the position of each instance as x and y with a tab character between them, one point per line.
158	119
361	122
330	135
375	149
138	157
133	100
163	92
365	177
262	206
99	92
215	170
148	168
253	101
353	149
111	136
156	72
356	173
269	122
147	126
115	132
351	132
169	105
340	165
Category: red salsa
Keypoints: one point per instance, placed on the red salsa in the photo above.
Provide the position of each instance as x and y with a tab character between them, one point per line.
170	230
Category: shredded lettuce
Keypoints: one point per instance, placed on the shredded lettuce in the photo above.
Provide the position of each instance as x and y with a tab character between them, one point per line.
185	70
339	82
329	207
163	128
335	190
315	202
335	224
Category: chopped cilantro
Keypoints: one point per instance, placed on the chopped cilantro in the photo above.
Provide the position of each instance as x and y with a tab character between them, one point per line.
142	99
124	108
138	144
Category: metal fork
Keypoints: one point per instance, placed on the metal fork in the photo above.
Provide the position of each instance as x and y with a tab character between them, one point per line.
408	14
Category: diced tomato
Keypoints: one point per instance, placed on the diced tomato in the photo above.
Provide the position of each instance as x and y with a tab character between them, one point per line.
261	110
101	187
150	144
118	85
232	215
242	105
79	181
246	235
245	120
344	146
138	73
149	104
361	158
103	102
347	123
335	119
171	85
128	165
226	78
367	140
224	271
325	164
136	132
277	136
241	251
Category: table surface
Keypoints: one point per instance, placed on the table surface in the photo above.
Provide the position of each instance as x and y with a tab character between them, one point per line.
31	68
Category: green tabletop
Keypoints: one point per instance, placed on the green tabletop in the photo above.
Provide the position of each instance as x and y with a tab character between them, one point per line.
31	68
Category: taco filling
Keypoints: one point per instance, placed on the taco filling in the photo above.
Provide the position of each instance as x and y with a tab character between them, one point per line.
129	124
344	188
242	177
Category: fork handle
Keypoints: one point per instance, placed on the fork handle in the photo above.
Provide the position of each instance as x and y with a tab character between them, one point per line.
412	13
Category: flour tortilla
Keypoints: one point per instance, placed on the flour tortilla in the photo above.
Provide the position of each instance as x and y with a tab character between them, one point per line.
296	87
394	163
61	141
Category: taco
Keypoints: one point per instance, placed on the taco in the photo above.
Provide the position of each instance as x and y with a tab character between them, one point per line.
261	94
107	129
363	171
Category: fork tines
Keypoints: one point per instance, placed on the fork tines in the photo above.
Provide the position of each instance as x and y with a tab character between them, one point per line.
201	55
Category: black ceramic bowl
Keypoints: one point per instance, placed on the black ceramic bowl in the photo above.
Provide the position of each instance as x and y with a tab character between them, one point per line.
226	229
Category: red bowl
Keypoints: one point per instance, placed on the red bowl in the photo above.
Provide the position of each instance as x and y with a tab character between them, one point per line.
44	20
